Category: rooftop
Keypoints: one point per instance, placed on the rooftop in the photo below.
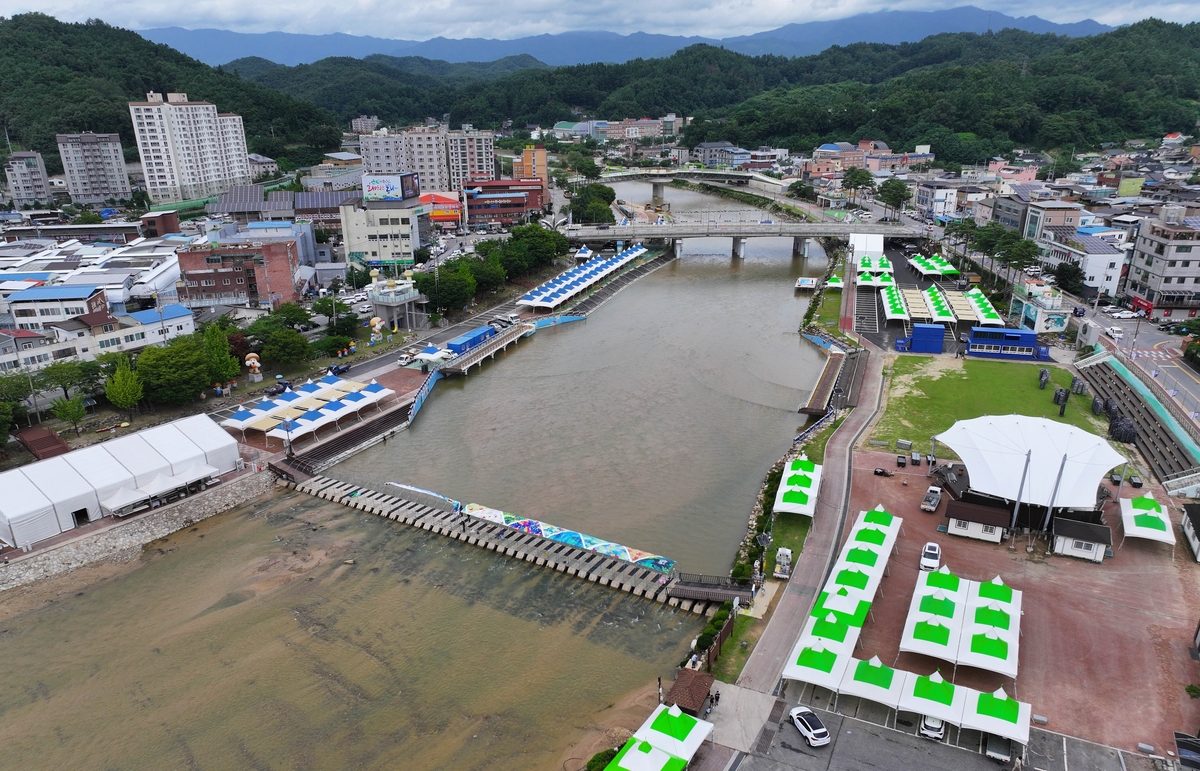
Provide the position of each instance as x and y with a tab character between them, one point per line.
37	293
173	311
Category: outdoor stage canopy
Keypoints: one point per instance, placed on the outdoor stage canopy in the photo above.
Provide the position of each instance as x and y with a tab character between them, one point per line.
1039	461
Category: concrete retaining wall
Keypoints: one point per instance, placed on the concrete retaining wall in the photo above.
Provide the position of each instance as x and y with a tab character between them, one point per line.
124	542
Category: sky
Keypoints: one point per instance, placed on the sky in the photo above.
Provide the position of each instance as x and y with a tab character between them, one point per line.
483	18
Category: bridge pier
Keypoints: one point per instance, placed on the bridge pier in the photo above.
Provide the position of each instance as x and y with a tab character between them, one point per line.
656	193
739	248
677	247
799	246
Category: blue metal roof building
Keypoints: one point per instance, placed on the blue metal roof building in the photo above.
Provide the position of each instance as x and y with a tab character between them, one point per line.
169	312
60	292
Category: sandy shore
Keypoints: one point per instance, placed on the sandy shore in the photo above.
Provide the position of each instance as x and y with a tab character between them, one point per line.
613	725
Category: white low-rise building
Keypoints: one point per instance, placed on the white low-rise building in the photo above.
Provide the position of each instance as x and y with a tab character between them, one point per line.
972	520
1084	540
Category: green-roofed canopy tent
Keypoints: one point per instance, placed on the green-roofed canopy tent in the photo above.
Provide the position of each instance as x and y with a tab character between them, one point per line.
638	755
894	307
798	487
819	662
674	731
1145	517
996	713
935	615
835	282
933	696
873	680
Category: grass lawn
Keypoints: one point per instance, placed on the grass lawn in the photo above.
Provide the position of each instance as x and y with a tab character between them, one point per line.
926	395
815	447
830	311
733	656
790	530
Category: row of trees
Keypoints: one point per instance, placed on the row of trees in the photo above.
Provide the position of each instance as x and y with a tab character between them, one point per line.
528	249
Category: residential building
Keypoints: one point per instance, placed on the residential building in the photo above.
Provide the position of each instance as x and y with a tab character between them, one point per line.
1164	273
502	201
967	196
1050	213
711	153
188	149
94	165
471	155
262	166
842	155
384	233
103	332
1101	261
1004	170
633	128
937	198
156	224
37	307
735	157
28	182
300	233
262	274
881	158
532	165
679	155
1038	306
364	124
420	149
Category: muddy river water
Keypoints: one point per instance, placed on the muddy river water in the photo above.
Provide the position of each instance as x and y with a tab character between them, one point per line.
249	642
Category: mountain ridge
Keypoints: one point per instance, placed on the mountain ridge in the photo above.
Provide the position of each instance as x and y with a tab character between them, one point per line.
215	47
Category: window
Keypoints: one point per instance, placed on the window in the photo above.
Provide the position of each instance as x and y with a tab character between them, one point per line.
1170	263
110	342
960	524
1167	280
208	282
1183	250
241	280
25	312
989	529
48	312
135	336
225	282
1083	545
212	260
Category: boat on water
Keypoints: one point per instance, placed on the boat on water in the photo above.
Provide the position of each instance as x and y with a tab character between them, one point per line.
806	284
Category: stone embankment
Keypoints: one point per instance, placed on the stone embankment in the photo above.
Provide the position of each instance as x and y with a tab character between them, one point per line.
124	542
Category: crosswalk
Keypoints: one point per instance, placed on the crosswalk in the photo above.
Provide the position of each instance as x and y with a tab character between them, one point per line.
1154	353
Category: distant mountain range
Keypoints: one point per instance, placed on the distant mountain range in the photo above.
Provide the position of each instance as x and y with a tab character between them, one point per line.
214	46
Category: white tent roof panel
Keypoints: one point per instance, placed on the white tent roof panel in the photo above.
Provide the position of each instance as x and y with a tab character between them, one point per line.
818	662
994	449
996	713
1145	517
672	730
122	497
933	696
65	488
220	449
873	680
170	443
100	469
798	488
26	515
138	457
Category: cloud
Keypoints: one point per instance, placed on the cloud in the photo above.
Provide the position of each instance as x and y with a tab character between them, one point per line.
486	18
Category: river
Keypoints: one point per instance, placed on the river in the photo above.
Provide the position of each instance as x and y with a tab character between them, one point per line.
651	424
248	641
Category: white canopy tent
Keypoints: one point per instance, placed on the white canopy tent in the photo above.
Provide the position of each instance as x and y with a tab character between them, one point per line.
121	499
873	680
638	755
672	730
997	713
1146	518
1017	457
220	449
935	615
161	485
799	487
991	633
933	696
66	489
138	457
169	442
816	661
101	470
26	515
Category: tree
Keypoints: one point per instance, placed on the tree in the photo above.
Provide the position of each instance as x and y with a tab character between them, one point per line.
6	422
894	193
175	373
261	329
1020	253
357	278
124	387
287	346
802	190
292	314
588	168
70	411
14	387
1070	278
88	218
323	137
331	308
61	374
448	289
856	180
222	365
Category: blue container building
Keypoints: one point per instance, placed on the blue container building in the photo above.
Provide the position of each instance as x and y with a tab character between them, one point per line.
468	340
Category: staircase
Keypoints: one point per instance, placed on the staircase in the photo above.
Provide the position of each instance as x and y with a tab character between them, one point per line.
866	310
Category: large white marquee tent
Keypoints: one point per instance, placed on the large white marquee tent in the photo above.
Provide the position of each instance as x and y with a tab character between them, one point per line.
49	497
1017	457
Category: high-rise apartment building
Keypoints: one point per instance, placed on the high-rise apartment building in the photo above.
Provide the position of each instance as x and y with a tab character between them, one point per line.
1164	274
471	156
95	167
27	179
364	124
421	149
532	165
188	149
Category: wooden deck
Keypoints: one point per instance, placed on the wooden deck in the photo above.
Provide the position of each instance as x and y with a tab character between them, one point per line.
534	549
818	402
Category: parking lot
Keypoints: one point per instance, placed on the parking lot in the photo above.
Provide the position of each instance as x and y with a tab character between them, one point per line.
1104	647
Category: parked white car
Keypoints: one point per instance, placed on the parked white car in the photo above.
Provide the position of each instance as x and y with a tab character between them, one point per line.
1124	315
810	727
933	728
931	556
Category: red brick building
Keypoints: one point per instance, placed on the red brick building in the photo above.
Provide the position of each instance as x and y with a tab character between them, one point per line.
258	274
505	201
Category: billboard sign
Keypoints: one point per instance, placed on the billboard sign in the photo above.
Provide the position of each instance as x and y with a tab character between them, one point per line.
390	187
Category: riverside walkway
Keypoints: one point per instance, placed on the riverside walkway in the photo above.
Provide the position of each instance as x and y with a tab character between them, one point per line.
643	231
538	551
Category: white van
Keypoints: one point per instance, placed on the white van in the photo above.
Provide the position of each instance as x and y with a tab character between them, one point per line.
1116	333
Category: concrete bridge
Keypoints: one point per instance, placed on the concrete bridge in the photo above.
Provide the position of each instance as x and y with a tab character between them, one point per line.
659	178
800	232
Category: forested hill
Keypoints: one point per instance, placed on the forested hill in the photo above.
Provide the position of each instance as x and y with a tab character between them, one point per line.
61	78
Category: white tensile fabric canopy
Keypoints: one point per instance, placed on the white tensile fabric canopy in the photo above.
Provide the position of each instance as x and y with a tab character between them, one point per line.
65	488
26	515
873	680
674	731
122	498
798	488
1145	517
171	443
101	470
995	448
220	449
138	457
933	696
816	661
996	713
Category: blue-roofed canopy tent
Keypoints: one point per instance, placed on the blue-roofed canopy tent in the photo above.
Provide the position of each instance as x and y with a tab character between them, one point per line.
575	281
304	411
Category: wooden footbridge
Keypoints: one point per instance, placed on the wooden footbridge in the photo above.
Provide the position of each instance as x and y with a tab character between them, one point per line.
534	549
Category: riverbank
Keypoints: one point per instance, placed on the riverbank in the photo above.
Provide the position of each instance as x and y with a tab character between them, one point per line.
759	201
